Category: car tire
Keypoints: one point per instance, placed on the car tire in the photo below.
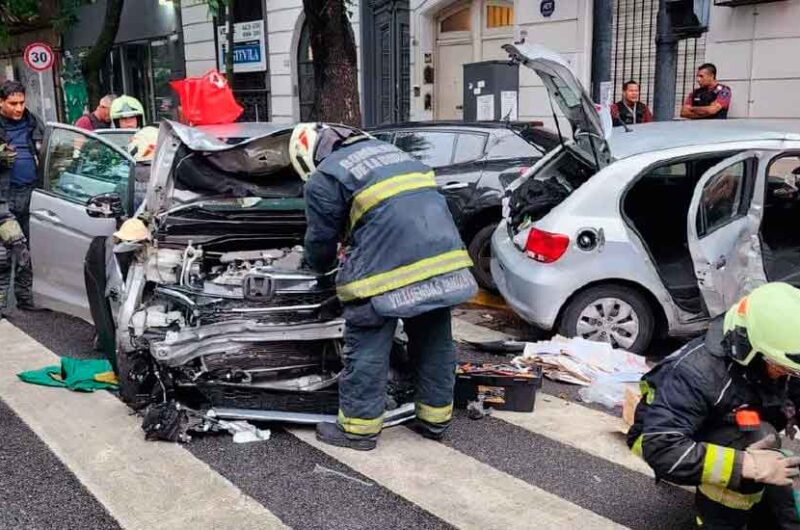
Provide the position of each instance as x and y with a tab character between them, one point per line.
480	250
611	313
94	275
136	379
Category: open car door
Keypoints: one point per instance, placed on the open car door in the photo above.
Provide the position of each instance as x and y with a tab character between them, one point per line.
723	230
75	166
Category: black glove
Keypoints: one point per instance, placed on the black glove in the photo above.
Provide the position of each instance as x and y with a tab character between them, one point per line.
20	253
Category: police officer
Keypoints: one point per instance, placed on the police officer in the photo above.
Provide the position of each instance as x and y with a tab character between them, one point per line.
709	414
711	100
629	110
404	259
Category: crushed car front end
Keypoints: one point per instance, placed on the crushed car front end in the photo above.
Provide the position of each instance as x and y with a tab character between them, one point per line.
218	309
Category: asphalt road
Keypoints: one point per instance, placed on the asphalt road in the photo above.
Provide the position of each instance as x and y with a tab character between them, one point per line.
299	484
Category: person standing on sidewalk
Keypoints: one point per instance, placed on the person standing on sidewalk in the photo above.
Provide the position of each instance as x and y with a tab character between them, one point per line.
22	132
711	100
629	110
100	118
404	260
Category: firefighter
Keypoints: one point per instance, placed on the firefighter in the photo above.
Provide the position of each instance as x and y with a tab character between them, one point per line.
127	113
710	412
404	259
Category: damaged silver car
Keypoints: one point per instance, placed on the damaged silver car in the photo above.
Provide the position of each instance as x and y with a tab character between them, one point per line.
213	304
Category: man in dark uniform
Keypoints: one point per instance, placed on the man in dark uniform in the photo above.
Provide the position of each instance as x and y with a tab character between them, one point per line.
629	110
710	413
711	100
22	133
404	259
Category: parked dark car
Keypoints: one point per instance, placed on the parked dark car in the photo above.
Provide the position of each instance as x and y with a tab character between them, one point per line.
469	160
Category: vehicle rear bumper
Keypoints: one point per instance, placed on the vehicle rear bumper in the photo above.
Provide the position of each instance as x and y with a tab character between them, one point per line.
535	291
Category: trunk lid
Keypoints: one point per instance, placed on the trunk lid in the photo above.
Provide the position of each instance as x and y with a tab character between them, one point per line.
588	131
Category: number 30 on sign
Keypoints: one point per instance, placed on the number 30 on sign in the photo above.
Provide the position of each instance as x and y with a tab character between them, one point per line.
38	56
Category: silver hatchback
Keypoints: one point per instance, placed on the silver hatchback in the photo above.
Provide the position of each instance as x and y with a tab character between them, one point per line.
617	236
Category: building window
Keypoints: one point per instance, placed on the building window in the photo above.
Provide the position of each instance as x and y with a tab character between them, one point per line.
499	16
458	21
305	75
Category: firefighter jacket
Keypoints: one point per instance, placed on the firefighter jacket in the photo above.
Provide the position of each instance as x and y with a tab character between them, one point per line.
404	252
687	400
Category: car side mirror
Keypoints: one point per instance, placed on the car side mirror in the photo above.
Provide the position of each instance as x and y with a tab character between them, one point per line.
105	206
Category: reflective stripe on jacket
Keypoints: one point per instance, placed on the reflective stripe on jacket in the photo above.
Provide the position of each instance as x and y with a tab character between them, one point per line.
397	224
687	402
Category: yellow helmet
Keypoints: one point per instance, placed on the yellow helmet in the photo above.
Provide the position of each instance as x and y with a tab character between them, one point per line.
767	321
132	230
142	145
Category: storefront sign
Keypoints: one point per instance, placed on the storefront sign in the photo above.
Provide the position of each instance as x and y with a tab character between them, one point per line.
249	46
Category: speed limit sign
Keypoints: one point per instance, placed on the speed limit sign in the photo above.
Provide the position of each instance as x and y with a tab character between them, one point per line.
39	56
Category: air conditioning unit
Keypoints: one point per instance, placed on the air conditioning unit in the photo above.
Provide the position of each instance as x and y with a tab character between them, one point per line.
737	3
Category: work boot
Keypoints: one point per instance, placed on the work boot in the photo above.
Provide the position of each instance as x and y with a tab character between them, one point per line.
431	431
331	434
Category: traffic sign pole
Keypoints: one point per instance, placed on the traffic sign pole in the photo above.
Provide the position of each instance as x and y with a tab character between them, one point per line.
39	58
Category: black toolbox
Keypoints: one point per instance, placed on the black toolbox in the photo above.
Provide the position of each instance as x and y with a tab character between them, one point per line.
514	391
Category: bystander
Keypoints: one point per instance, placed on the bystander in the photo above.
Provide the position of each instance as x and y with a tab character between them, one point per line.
100	118
629	110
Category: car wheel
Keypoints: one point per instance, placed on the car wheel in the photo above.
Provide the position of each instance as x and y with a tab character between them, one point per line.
136	378
480	250
94	275
616	314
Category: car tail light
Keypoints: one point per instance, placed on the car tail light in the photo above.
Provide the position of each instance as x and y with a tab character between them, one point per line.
544	246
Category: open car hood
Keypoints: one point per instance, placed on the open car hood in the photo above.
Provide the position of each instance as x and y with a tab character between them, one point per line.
199	163
588	132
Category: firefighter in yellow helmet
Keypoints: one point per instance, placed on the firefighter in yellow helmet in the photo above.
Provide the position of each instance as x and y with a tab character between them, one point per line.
127	113
710	414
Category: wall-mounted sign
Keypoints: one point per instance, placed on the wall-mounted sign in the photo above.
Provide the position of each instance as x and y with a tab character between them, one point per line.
547	8
249	46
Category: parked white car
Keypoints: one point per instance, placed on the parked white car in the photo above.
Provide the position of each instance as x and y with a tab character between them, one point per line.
657	228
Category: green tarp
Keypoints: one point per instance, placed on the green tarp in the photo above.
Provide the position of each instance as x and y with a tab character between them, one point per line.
81	375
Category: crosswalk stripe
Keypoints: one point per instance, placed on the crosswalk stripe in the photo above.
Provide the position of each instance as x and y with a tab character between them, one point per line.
143	485
457	488
588	430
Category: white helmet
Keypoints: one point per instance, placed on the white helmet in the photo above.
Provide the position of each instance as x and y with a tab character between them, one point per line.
301	148
312	142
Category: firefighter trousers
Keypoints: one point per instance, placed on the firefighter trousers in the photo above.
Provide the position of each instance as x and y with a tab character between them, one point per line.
363	381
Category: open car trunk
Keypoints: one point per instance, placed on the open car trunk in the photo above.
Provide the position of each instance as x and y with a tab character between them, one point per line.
218	310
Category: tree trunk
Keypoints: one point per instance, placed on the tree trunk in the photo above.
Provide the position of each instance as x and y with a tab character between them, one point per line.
333	47
229	45
96	57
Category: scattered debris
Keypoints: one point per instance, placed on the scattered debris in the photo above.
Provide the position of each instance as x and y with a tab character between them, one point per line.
604	371
476	410
324	470
597	479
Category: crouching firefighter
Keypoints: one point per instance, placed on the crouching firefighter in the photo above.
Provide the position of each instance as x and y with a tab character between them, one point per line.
710	413
404	259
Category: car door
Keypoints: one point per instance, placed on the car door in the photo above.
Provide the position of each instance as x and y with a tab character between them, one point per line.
76	165
723	230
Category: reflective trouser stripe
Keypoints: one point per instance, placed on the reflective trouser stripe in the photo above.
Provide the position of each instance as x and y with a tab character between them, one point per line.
371	196
636	448
406	275
648	393
360	425
434	414
729	498
718	465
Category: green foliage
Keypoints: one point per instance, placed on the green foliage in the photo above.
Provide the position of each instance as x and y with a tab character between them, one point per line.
67	15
